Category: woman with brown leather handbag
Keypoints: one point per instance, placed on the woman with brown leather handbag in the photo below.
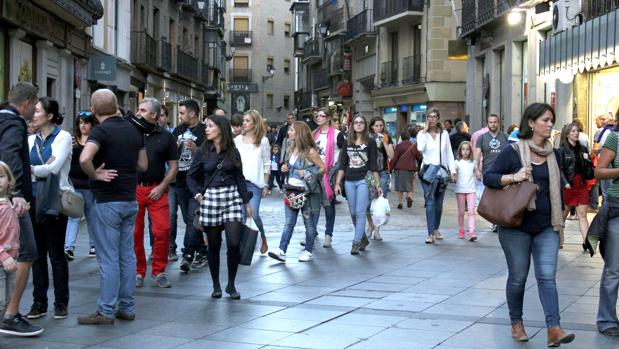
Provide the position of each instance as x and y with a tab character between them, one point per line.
533	159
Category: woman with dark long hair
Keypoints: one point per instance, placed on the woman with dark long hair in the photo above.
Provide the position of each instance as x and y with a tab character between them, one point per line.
302	166
384	153
84	122
534	159
221	203
358	162
50	155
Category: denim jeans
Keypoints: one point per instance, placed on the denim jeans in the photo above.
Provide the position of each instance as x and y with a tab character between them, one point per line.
434	205
329	217
193	241
291	220
115	255
609	286
385	182
255	206
73	224
518	247
604	186
358	202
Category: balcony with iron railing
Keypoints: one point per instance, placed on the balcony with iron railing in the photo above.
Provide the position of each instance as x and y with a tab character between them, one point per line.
240	75
186	65
477	13
240	38
385	10
597	8
214	14
321	78
311	49
303	99
360	25
143	51
165	55
411	69
388	74
324	11
336	21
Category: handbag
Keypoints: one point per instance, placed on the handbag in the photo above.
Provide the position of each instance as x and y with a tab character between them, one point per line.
429	172
369	180
506	206
295	197
196	213
71	204
249	236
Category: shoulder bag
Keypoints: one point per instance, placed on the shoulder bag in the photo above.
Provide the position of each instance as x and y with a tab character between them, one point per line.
71	204
295	197
506	206
428	173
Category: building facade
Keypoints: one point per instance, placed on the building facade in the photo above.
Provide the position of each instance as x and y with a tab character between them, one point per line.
262	70
561	53
384	58
45	43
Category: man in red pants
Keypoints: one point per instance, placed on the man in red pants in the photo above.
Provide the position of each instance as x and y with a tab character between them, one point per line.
152	195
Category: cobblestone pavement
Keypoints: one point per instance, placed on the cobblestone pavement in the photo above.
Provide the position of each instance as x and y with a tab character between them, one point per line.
401	293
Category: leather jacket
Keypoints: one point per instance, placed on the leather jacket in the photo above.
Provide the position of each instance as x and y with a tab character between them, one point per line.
568	160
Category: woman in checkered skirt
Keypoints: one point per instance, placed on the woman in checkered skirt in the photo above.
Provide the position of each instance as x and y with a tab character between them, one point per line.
221	203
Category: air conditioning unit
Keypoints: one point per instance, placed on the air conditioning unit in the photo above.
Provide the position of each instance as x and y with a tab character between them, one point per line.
566	14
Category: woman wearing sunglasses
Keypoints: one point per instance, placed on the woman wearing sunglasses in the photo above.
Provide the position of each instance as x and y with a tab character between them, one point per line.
84	123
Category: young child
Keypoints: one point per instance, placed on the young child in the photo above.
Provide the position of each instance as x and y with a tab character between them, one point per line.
9	236
275	159
465	188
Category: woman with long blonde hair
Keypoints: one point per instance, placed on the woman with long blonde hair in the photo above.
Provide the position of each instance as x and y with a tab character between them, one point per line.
302	167
256	159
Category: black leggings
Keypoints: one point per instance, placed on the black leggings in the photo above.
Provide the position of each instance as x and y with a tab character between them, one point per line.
233	239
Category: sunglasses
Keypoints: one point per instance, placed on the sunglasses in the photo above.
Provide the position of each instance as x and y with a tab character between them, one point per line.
85	114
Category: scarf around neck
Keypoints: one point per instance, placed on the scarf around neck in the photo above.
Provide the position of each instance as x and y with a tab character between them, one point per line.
524	148
329	159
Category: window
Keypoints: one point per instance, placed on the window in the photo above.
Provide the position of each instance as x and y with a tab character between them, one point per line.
270	63
270	101
270	27
287	29
286	102
287	66
241	3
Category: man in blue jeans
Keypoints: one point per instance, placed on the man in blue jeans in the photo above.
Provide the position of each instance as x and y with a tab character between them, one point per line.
115	148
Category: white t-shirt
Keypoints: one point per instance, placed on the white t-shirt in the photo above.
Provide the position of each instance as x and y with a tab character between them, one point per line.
466	176
321	144
256	160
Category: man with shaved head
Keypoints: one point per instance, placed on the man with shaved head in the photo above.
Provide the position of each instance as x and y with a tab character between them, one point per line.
115	148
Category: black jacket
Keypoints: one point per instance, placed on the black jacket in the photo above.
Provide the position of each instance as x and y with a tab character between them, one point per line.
281	135
599	226
14	150
572	161
456	139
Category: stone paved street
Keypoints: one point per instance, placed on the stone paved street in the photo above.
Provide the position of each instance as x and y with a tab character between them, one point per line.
401	293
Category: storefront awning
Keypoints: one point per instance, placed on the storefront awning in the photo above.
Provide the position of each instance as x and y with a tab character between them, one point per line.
589	46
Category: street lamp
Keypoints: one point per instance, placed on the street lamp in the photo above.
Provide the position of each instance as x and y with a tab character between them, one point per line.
271	73
232	52
514	17
323	29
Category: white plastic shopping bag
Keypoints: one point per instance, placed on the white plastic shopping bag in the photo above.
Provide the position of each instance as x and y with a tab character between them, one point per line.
380	211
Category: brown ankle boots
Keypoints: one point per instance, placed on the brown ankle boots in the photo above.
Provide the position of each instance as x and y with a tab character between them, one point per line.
518	333
556	336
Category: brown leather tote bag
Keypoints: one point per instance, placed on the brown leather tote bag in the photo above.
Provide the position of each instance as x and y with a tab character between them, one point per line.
505	207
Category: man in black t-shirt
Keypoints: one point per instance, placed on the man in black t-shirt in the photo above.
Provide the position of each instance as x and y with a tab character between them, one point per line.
115	148
152	194
189	136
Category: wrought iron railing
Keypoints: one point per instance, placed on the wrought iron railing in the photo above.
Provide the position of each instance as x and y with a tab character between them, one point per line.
165	55
411	69
597	8
388	73
389	8
321	78
240	75
240	38
143	50
360	24
311	48
186	65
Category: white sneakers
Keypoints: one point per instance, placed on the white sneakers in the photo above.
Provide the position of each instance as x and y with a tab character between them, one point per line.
327	242
278	254
305	256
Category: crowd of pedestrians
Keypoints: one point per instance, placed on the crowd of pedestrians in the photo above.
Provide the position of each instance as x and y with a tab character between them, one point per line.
217	169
